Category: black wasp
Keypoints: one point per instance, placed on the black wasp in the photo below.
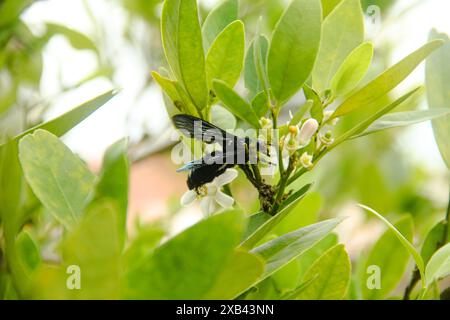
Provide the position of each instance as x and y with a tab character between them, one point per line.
235	150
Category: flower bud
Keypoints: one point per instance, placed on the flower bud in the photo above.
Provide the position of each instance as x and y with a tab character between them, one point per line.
293	130
291	145
307	131
266	123
327	138
306	160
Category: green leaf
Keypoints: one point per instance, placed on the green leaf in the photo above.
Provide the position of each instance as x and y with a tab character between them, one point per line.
222	118
282	250
260	104
11	184
294	46
387	81
352	70
405	243
307	259
28	252
235	104
225	58
176	94
11	9
247	266
187	266
304	213
59	178
302	111
402	119
270	224
342	31
438	92
255	221
328	6
145	240
62	124
363	125
182	41
77	39
251	77
392	270
330	276
221	16
433	241
113	183
439	265
292	295
94	246
316	109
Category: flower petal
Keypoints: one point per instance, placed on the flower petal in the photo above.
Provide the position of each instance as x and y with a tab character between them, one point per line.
207	206
224	200
226	177
188	197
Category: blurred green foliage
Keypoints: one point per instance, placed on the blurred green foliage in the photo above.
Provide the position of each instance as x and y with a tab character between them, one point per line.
55	213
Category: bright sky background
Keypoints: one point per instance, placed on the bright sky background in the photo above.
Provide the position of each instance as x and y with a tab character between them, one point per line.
108	125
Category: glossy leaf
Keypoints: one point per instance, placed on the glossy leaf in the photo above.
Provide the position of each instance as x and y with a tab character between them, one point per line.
175	93
28	252
438	92
247	266
222	118
392	270
342	32
62	124
363	125
201	252
328	6
235	104
302	111
77	39
113	183
387	81
402	119
282	250
310	256
433	241
225	58
260	104
251	77
439	265
304	213
330	276
221	16
294	47
352	70
94	246
270	224
59	178
11	184
182	41
405	242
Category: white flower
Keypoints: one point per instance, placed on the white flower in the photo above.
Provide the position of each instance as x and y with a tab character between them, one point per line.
308	130
210	193
306	160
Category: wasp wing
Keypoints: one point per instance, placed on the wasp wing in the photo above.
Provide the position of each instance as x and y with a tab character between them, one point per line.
193	127
215	157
